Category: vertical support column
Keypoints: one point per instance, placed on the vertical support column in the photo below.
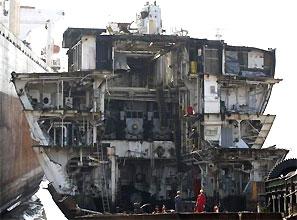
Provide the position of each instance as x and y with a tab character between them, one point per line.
88	133
285	203
103	88
62	94
80	157
240	180
58	95
294	203
62	131
239	129
49	45
152	160
94	110
286	199
273	203
113	60
290	205
279	203
113	174
223	60
55	142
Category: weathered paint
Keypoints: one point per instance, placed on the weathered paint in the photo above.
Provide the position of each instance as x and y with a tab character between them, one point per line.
211	96
20	172
151	98
88	60
19	169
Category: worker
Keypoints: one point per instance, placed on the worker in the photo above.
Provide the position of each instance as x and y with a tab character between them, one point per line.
200	203
194	136
156	211
189	111
178	202
216	208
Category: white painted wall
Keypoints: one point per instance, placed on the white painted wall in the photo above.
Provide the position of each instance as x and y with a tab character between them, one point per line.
13	59
211	96
88	59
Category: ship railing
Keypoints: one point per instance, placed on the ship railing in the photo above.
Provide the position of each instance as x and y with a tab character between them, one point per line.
22	47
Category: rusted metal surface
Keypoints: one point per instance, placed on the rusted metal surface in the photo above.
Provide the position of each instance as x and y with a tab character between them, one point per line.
190	216
20	172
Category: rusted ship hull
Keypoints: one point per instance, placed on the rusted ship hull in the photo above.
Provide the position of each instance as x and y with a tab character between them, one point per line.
20	172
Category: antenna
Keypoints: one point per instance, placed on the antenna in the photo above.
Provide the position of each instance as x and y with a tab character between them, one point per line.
219	35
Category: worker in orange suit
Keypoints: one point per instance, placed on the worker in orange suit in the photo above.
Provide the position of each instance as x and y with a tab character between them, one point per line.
200	203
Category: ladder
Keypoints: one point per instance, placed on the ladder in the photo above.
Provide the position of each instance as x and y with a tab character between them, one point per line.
104	188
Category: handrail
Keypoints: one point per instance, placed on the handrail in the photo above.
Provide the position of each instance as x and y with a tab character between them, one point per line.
22	47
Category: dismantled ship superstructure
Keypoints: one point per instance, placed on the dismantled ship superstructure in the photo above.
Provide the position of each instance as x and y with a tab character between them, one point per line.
140	115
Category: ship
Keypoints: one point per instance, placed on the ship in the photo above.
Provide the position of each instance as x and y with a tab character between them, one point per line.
20	172
141	114
281	189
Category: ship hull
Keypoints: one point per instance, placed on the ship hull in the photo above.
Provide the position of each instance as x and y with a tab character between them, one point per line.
69	209
20	172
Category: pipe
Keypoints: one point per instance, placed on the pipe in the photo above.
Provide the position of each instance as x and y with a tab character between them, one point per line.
88	133
62	85
54	136
94	110
62	135
80	156
113	175
58	95
49	46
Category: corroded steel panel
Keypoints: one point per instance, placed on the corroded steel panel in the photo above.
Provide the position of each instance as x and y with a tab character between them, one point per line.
19	171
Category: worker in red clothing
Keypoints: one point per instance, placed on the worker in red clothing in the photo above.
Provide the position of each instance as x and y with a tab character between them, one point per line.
200	203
